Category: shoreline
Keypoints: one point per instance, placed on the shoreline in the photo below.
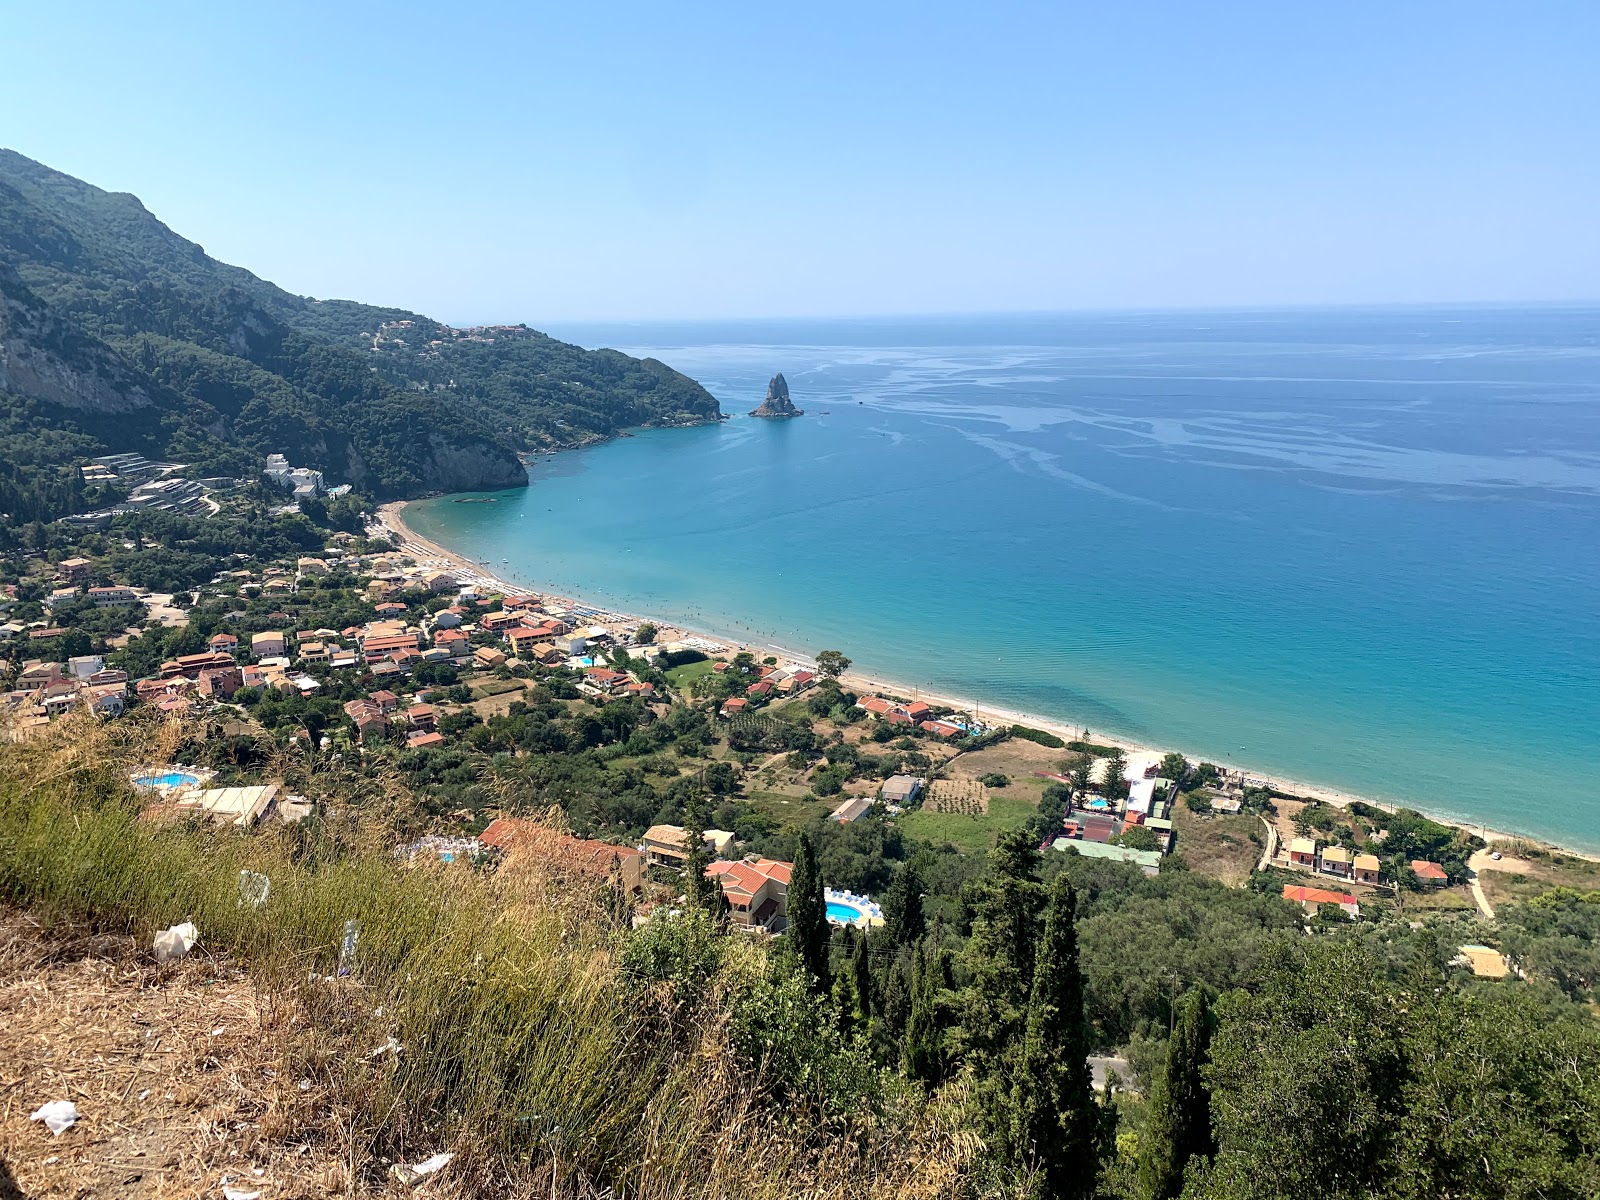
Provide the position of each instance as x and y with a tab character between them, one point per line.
391	516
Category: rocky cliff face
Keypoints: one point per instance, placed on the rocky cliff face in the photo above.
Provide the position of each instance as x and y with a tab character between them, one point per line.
476	466
777	403
46	358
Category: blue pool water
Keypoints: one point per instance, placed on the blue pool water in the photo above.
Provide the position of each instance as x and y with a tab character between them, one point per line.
1359	548
171	779
843	913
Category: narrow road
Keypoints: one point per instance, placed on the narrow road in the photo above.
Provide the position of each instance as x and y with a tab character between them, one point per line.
1270	850
1473	863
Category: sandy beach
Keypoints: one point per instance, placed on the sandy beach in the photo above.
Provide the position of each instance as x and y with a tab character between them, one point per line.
391	517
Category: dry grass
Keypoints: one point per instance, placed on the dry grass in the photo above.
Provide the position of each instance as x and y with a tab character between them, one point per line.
179	1074
526	1050
1222	846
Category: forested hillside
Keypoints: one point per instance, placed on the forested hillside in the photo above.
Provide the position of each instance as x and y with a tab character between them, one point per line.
117	334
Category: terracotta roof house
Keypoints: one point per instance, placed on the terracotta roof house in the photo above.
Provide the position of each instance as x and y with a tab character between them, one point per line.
223	641
1310	897
422	716
385	700
734	706
423	739
1430	872
366	717
756	890
562	852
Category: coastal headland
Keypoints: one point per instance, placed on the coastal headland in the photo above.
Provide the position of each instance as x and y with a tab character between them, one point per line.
392	517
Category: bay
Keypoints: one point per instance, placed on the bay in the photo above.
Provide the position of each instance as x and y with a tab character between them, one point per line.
1355	547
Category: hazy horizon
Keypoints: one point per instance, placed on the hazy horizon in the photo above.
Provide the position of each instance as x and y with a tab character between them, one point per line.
533	164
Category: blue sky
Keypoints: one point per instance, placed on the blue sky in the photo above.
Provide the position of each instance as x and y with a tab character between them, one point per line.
611	161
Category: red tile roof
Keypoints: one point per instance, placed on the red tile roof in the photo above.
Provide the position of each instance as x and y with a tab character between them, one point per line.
1311	895
1428	870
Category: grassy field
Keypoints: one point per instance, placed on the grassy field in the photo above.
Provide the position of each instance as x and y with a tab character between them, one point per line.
681	677
970	834
791	811
485	688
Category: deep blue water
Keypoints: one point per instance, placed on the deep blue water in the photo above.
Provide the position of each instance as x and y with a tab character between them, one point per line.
1355	547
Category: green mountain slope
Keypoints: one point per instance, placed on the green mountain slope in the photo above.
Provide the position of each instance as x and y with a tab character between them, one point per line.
118	334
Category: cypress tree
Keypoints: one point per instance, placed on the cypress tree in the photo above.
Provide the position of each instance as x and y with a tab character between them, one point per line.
861	966
1179	1125
902	907
919	1047
808	916
846	1002
700	892
1056	1124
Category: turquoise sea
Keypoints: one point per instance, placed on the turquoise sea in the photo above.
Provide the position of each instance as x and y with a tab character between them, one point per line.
1355	547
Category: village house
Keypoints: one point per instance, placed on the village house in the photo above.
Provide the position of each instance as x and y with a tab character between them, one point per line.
190	665
756	890
487	658
852	809
74	569
224	642
901	790
219	683
1335	860
1309	898
267	645
366	717
735	705
664	845
1303	854
1365	868
377	647
423	740
1430	873
422	716
311	566
60	596
454	640
110	597
562	853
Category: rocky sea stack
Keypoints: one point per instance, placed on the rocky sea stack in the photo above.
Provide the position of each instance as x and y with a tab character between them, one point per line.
777	403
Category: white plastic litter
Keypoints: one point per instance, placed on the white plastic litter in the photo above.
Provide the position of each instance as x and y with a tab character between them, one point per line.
254	888
174	943
417	1172
58	1116
229	1193
392	1046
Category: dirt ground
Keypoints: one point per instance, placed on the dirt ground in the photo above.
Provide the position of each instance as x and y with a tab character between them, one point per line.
176	1071
1524	871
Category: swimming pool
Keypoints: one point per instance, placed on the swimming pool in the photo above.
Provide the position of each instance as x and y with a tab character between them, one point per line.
172	779
846	908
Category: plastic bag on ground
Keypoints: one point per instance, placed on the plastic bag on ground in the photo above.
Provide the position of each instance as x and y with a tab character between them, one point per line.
347	948
58	1116
174	943
254	888
417	1172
